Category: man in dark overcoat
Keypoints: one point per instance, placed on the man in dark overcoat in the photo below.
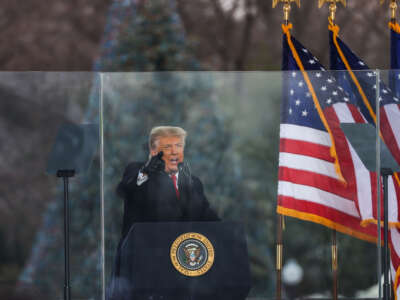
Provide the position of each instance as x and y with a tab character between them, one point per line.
161	190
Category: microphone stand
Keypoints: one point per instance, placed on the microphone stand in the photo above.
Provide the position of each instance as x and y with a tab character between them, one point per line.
66	174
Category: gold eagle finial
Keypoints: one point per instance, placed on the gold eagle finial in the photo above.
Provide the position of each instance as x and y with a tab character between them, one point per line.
286	7
392	7
332	7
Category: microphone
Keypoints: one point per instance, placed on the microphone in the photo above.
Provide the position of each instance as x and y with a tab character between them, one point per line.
184	169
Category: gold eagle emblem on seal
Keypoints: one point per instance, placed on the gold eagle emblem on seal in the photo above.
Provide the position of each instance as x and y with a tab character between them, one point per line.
192	254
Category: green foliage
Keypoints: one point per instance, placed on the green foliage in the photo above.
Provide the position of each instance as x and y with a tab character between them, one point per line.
152	40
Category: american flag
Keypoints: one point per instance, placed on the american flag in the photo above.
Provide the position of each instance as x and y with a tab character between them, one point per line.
310	186
364	89
391	112
394	78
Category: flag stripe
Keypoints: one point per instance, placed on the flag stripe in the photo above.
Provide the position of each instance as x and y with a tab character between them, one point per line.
307	163
390	123
364	187
348	222
395	237
397	197
357	116
392	269
343	113
374	185
394	257
308	134
317	196
321	182
306	148
393	209
316	208
363	179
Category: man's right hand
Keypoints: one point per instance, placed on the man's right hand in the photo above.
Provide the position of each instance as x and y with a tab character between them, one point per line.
154	165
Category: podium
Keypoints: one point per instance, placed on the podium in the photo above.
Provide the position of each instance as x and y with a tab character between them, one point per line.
164	261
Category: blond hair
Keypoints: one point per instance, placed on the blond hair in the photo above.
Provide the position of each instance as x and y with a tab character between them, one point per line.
165	131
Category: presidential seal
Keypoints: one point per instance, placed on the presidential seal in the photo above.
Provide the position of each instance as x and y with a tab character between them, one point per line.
192	254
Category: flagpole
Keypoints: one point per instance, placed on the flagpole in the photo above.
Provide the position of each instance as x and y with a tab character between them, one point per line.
280	218
393	9
332	7
388	292
286	8
279	257
334	266
378	178
332	15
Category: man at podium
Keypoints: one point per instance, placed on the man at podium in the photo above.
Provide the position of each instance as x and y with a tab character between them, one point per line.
161	190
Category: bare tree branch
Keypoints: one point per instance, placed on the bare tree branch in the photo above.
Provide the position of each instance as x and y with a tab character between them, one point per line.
245	43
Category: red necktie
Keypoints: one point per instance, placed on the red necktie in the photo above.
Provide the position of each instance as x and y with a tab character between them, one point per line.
173	176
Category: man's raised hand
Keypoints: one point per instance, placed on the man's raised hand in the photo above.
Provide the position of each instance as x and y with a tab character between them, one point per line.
154	165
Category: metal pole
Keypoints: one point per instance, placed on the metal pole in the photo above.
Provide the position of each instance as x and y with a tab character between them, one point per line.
393	8
67	293
102	216
334	266
378	184
65	174
386	284
279	254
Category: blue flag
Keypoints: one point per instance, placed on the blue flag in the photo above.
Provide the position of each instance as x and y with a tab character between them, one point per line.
394	76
